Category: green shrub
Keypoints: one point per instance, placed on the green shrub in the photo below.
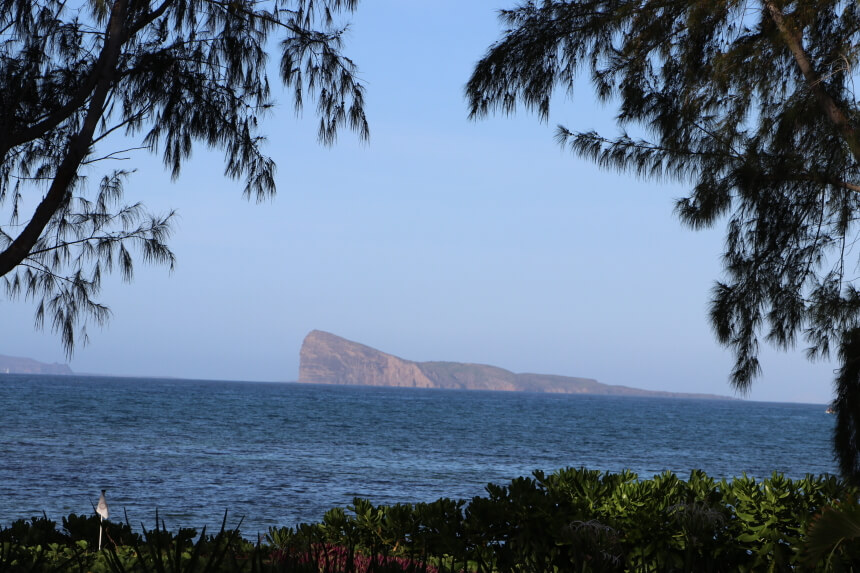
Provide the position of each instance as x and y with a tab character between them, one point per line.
573	520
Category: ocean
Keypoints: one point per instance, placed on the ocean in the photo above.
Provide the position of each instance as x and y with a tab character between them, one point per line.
278	454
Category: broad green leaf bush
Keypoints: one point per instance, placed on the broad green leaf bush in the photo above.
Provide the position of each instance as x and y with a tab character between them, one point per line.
834	537
573	520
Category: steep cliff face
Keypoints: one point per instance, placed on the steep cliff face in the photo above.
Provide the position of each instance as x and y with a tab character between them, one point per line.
18	365
329	359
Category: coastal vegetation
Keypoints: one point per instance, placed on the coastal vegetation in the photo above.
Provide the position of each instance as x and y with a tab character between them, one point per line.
75	76
752	107
571	520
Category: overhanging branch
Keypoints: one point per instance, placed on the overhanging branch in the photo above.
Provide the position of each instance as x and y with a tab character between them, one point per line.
794	41
79	146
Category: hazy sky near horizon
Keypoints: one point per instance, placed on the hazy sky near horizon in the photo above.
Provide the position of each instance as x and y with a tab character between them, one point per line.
440	239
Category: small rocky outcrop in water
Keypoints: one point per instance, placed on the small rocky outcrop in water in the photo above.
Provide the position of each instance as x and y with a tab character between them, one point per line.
18	365
329	359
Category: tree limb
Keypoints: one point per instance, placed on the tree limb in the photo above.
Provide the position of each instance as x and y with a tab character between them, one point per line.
794	40
79	145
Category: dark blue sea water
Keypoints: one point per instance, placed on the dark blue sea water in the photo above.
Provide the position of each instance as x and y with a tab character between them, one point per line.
281	454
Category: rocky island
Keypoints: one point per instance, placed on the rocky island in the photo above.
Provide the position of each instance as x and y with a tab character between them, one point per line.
19	365
329	359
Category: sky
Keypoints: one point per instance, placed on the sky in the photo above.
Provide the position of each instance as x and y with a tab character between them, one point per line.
441	238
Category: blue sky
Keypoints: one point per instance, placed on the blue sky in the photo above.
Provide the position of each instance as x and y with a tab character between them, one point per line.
440	239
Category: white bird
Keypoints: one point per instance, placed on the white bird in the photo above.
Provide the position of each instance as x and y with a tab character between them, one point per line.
102	508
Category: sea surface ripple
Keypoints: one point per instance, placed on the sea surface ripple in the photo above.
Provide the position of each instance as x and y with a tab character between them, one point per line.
282	454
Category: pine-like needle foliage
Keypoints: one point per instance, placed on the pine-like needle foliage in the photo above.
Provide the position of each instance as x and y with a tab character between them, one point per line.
76	77
750	103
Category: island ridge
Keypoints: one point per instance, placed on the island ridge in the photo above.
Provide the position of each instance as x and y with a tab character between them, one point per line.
329	359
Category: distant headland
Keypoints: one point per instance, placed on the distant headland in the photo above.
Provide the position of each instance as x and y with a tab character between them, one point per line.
329	359
19	365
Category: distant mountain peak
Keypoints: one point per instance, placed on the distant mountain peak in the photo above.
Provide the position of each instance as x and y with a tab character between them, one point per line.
326	358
